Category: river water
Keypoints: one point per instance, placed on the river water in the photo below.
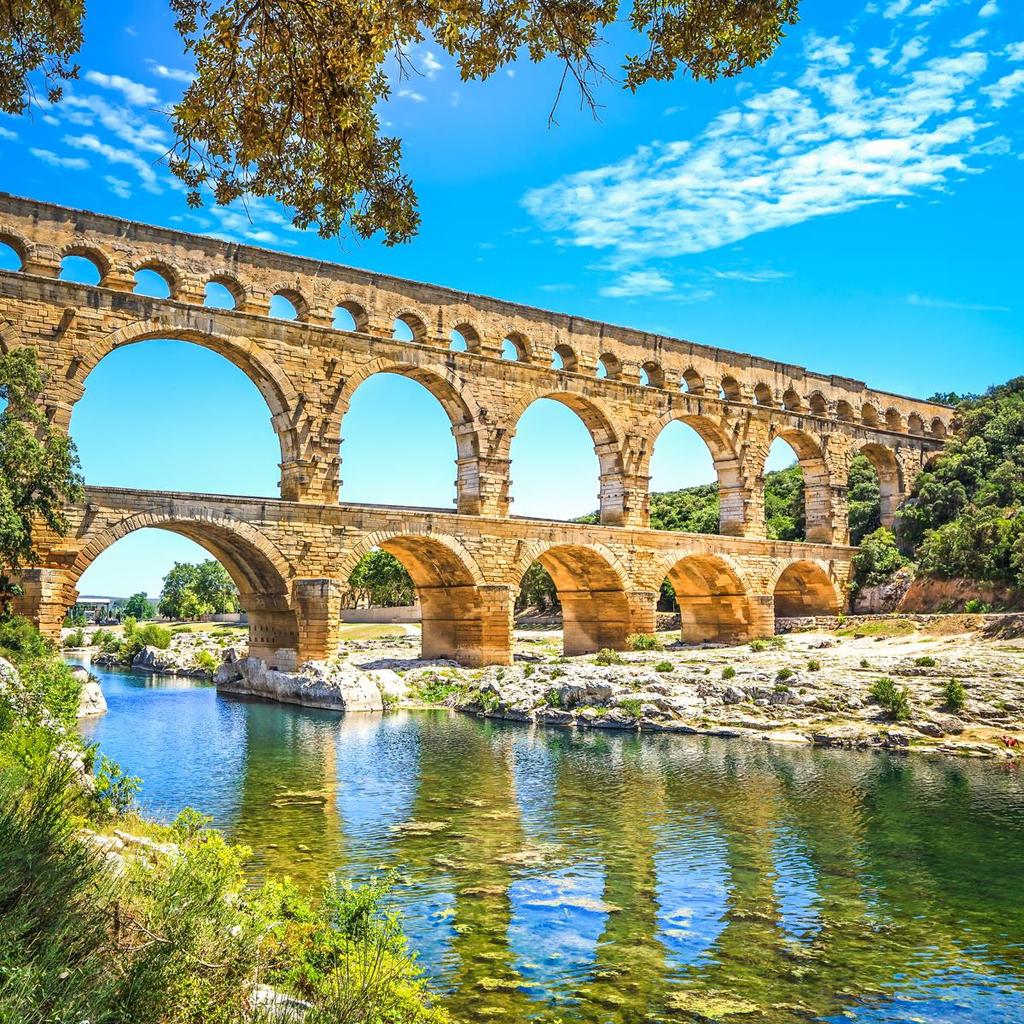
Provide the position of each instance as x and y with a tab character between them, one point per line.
554	875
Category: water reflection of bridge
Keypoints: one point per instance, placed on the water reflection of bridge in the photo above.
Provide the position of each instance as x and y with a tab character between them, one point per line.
608	876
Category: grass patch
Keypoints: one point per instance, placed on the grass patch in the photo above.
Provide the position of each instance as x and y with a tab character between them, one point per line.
642	642
728	672
886	628
664	666
606	656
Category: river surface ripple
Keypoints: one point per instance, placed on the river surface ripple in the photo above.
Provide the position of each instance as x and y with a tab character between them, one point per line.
608	877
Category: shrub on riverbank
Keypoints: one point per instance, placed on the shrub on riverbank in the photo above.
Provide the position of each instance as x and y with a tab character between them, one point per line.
159	924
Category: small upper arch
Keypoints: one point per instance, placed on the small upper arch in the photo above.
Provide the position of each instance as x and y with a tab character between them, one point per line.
350	315
692	382
939	427
464	337
156	269
894	419
515	347
844	410
288	304
71	255
870	415
17	251
652	375
730	390
564	358
222	291
409	325
915	424
792	401
609	366
818	403
763	395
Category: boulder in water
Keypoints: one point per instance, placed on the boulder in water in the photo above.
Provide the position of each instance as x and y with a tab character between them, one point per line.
315	684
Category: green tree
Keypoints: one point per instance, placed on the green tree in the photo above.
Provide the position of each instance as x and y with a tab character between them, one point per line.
139	607
877	559
383	580
965	516
537	590
214	587
286	93
784	509
39	470
864	498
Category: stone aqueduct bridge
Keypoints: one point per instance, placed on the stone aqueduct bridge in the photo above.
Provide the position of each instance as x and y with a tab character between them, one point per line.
291	557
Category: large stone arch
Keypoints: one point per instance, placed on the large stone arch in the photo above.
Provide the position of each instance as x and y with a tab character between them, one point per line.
716	601
462	618
732	486
805	587
262	574
453	395
270	380
890	477
593	589
810	454
605	433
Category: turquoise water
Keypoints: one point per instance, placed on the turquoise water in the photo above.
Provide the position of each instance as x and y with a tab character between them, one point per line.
604	877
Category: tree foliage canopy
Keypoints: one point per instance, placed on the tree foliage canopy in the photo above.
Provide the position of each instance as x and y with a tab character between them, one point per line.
382	580
39	471
965	517
193	589
138	606
284	102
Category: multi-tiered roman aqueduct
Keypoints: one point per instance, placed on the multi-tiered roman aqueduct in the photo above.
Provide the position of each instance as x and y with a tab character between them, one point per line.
291	557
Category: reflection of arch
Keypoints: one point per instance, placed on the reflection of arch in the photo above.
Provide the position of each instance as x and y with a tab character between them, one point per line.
713	598
261	573
804	588
890	477
592	590
447	582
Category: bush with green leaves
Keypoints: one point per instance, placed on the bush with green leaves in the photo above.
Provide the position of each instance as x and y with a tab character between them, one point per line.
975	606
895	700
205	661
631	708
954	695
74	639
877	560
642	642
813	665
925	661
606	656
728	672
19	639
664	666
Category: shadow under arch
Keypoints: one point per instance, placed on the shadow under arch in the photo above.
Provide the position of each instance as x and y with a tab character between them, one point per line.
607	439
269	379
593	591
728	470
715	601
460	408
261	573
458	622
804	588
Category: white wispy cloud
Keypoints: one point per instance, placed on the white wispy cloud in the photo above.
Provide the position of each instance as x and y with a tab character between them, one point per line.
411	94
172	74
974	307
1003	90
6	133
88	111
751	276
67	163
990	10
117	155
121	188
431	66
637	283
1014	51
137	94
836	140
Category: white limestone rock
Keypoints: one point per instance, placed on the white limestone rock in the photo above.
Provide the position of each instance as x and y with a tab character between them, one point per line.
315	684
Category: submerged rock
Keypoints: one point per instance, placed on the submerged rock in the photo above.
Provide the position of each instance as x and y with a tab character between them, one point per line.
315	684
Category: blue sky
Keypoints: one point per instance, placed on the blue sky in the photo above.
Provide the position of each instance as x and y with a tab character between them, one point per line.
853	205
